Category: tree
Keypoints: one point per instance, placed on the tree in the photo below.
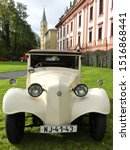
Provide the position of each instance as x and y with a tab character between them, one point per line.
20	14
26	38
16	35
6	12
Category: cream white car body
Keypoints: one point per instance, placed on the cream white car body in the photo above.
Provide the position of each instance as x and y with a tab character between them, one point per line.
58	104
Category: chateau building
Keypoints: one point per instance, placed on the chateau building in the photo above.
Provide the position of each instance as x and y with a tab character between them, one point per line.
87	24
48	38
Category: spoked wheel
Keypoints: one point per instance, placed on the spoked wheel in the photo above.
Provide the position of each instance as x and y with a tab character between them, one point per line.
97	126
15	124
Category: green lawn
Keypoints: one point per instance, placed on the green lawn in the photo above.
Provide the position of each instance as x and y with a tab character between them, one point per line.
78	141
10	66
90	75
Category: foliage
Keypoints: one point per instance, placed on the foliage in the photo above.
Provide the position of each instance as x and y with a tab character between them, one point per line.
16	35
99	58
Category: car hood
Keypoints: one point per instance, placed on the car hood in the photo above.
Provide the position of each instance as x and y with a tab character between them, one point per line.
50	76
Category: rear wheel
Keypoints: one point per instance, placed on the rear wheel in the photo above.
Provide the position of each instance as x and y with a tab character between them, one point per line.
15	124
97	126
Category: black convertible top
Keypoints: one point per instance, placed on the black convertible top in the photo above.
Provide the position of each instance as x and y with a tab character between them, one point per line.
43	51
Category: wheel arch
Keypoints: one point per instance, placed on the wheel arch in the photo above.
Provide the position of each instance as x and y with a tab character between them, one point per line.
18	100
95	101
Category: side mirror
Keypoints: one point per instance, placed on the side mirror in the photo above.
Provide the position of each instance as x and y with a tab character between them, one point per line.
100	82
12	81
31	70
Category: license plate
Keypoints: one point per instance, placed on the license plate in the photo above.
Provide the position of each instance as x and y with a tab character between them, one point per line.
58	129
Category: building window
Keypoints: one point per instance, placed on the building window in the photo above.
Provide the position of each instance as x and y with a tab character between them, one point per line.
67	43
79	38
111	29
60	45
61	33
63	44
67	29
58	35
91	13
64	31
72	26
111	4
71	42
100	7
99	33
57	45
80	20
90	35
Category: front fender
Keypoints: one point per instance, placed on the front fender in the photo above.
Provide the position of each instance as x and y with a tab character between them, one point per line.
18	100
95	101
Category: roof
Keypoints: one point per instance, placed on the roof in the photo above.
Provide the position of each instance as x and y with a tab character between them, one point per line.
71	10
51	30
44	16
43	51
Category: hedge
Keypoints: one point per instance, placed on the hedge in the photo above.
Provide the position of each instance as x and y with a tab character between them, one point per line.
99	58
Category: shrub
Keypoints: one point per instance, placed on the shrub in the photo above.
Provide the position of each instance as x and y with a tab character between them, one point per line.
99	58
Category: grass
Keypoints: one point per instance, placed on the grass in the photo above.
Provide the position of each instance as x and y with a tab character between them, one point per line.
78	141
90	75
10	66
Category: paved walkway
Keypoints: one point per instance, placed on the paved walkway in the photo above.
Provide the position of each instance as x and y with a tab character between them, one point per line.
10	75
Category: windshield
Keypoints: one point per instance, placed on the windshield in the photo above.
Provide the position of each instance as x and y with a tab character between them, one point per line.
54	61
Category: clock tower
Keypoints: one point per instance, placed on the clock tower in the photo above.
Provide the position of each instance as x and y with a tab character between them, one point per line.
43	29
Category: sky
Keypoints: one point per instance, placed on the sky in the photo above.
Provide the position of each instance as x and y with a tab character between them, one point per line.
53	8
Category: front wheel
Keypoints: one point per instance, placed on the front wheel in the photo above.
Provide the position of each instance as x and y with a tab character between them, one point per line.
15	127
97	126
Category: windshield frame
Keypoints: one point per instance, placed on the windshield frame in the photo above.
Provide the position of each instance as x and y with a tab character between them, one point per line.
57	55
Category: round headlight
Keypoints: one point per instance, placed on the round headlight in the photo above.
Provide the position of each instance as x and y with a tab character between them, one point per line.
81	90
35	90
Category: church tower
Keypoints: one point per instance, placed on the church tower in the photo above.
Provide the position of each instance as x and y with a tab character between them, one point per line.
43	29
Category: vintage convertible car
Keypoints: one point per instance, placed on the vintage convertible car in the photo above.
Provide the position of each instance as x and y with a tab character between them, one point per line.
54	97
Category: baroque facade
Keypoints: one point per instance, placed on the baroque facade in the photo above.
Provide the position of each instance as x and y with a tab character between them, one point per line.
87	24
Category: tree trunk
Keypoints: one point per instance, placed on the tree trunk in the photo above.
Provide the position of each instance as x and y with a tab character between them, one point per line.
7	33
15	38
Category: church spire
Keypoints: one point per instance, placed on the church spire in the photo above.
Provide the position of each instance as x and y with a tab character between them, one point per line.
44	16
43	29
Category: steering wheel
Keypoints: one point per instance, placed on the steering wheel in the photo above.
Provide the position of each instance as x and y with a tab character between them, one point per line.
39	65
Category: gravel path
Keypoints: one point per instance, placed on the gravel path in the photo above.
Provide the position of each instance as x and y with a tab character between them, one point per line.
9	75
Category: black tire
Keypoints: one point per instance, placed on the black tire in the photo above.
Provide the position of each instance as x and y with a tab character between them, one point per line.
97	126
15	124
